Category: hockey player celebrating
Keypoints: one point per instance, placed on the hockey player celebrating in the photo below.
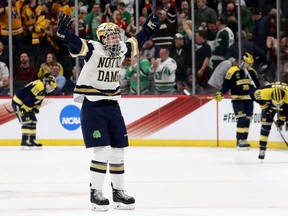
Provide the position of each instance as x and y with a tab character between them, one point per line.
272	99
239	80
98	90
26	103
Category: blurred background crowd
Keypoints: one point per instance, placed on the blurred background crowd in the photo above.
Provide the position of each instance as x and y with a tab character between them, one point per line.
38	51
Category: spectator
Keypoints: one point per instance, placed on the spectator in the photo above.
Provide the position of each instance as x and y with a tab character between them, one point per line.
5	86
182	56
125	15
4	72
231	16
81	20
247	46
150	50
204	14
61	80
202	59
29	15
186	11
261	29
163	71
246	19
71	82
46	67
186	87
132	74
224	39
92	21
211	34
17	25
3	55
164	37
25	71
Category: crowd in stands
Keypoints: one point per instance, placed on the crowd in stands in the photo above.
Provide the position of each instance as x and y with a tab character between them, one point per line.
165	58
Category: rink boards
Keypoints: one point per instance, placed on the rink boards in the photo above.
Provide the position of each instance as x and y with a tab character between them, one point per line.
151	121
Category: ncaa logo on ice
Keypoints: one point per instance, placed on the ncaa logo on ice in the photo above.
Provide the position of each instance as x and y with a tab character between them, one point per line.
70	117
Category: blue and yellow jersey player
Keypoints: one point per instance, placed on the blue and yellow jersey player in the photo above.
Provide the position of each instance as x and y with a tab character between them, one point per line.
26	103
273	99
239	80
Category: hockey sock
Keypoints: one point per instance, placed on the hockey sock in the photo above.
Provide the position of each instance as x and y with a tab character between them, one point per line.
116	168
98	167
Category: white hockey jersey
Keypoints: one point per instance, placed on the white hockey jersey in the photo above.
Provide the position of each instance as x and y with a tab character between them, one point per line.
164	76
99	77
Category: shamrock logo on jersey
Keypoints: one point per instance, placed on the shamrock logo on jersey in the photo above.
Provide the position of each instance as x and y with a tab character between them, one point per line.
96	134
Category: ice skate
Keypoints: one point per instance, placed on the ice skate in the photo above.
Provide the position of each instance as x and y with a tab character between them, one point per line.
99	203
242	145
26	145
37	145
122	201
261	154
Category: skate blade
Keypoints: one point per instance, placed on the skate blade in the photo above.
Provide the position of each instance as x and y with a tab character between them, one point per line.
243	148
99	208
122	206
28	148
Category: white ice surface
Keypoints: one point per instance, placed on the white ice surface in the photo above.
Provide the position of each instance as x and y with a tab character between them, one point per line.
164	181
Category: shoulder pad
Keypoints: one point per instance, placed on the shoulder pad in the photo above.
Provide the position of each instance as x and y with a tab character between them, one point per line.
37	88
231	71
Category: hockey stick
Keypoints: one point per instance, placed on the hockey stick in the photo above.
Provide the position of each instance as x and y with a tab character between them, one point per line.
279	130
247	73
9	111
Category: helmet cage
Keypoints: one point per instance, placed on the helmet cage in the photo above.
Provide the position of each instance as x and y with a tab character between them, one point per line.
111	42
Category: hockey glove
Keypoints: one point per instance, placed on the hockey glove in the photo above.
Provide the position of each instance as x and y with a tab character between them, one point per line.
279	123
218	96
63	26
266	108
35	110
151	23
26	108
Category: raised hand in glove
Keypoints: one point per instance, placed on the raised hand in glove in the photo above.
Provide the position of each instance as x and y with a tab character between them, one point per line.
63	26
279	123
151	23
218	96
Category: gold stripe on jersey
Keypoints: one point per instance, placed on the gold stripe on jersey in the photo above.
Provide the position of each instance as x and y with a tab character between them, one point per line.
84	49
28	131
243	82
134	46
17	100
264	138
242	130
240	97
96	92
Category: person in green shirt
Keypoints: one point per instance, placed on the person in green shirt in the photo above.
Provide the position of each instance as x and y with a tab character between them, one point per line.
132	75
92	21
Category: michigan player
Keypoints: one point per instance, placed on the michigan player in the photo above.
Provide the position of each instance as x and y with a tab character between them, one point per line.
273	99
239	83
26	103
98	90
